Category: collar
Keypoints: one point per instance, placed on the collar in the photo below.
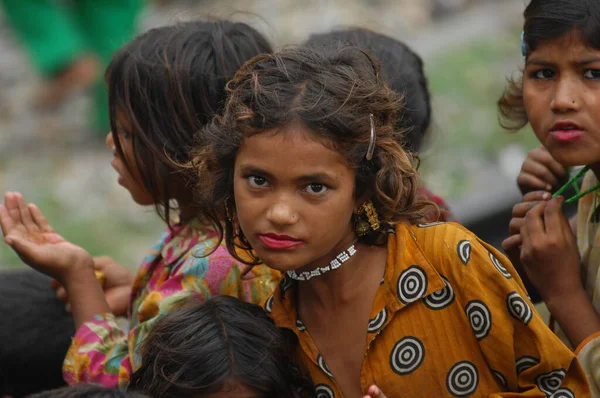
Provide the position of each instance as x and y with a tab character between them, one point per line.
409	277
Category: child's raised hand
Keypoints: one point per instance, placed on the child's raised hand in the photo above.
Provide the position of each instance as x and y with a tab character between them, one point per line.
374	392
549	251
27	231
540	171
512	244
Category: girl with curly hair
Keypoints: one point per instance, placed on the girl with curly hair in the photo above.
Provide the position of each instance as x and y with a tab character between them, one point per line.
306	168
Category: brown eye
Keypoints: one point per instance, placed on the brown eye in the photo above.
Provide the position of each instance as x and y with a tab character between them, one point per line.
543	74
592	74
316	189
257	181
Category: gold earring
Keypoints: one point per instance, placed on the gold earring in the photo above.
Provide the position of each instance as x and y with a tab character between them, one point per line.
366	219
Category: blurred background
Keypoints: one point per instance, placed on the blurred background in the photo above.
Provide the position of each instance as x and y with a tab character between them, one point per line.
54	153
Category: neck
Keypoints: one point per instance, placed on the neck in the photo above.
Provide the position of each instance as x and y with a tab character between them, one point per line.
347	283
185	204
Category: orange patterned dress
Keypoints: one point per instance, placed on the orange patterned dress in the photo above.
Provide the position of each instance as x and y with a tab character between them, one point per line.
451	318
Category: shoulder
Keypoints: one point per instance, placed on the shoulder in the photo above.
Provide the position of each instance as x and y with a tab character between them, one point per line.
453	249
443	239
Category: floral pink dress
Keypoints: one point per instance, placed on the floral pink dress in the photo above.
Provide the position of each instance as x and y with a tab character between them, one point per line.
105	352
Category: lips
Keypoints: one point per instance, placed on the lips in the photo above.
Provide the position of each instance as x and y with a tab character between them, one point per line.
566	131
279	242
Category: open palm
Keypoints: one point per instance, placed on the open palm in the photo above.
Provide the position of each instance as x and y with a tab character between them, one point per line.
30	235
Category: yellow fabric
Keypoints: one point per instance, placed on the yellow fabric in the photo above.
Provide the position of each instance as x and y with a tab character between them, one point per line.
451	318
588	242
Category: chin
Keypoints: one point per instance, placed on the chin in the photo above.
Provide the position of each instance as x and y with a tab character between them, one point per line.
143	201
279	261
571	158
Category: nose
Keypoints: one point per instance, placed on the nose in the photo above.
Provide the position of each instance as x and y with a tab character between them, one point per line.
110	142
281	213
566	96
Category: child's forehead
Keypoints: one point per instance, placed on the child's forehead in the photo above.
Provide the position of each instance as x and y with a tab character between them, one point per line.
572	43
291	139
291	151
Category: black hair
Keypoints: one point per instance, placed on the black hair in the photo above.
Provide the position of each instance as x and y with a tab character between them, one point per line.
168	83
403	71
35	334
88	391
547	20
200	348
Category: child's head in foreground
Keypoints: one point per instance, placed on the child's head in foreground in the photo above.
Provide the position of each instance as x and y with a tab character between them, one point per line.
220	348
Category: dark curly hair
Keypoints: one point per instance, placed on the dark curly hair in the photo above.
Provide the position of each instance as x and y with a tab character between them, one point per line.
199	348
331	92
169	82
547	20
402	70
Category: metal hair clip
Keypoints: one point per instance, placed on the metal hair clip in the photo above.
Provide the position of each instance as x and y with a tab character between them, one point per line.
371	148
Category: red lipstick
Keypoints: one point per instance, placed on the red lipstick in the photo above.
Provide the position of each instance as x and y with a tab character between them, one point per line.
279	242
566	131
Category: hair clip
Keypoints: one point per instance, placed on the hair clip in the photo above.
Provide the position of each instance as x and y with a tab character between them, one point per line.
371	148
523	45
574	183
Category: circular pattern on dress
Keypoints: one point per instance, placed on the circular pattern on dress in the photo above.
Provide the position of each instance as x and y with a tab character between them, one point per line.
407	355
525	362
563	393
518	307
324	391
500	378
480	318
269	304
462	379
550	382
440	299
464	251
323	366
377	323
499	266
412	284
300	325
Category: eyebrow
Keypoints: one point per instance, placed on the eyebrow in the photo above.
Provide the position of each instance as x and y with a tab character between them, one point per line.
314	178
588	61
584	62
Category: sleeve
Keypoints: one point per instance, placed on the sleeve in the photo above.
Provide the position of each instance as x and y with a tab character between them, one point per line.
588	354
525	356
103	352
